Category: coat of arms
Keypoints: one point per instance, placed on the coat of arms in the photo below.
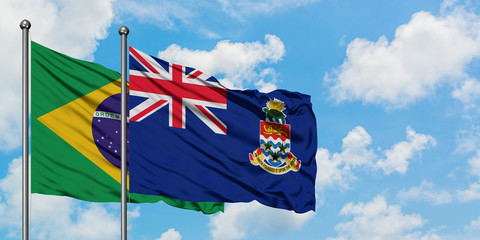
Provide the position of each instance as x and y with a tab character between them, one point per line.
274	154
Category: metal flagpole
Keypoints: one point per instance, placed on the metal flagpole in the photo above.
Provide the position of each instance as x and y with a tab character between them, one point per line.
25	26
123	31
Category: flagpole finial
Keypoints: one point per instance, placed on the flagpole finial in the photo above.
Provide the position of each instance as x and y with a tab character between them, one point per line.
123	30
25	24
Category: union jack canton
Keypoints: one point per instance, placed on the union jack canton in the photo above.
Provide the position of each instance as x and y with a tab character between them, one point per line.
176	86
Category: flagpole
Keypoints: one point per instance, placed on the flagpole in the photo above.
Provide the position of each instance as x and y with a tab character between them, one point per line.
25	26
123	31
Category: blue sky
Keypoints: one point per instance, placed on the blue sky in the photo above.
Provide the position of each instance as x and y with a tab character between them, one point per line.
395	88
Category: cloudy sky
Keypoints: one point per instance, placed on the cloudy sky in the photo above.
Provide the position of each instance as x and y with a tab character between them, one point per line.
395	88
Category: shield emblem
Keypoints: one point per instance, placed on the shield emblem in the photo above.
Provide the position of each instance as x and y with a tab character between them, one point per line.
274	154
275	143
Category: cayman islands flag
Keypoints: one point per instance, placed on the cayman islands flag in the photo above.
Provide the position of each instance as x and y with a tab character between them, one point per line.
192	139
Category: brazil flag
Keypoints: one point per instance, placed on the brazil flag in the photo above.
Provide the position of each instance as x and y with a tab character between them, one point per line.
76	132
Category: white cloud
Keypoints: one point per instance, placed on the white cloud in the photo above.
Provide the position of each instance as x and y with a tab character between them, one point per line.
11	198
342	43
468	140
133	213
71	27
474	226
265	87
331	171
378	220
425	192
72	222
474	163
173	15
426	52
268	78
397	157
238	63
355	150
468	93
162	13
240	220
242	9
470	194
170	234
169	14
337	168
420	236
473	192
447	4
10	110
53	217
